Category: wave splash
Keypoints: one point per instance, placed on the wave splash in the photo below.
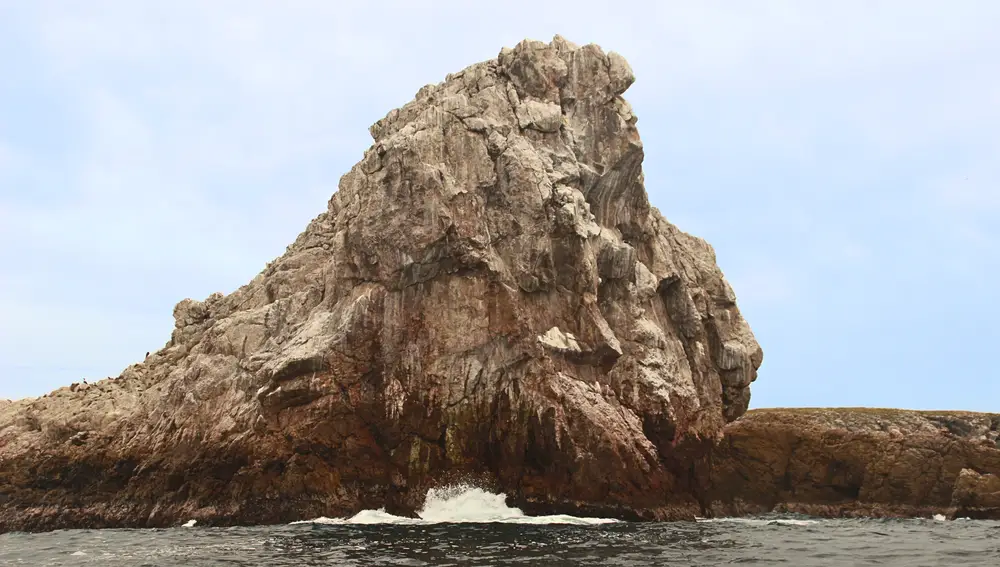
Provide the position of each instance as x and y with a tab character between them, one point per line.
461	504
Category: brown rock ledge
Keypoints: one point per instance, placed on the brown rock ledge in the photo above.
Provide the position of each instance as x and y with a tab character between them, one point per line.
857	462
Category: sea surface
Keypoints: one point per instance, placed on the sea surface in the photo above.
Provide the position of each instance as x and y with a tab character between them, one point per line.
468	526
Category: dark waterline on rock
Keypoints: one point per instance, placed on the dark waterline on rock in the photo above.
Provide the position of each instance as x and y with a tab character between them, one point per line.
772	540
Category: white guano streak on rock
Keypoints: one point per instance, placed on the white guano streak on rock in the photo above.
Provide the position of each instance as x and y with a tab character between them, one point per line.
554	338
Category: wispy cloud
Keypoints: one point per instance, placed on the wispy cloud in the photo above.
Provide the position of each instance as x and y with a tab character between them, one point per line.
150	152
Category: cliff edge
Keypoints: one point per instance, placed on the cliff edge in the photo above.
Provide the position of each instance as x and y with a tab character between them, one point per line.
858	462
488	297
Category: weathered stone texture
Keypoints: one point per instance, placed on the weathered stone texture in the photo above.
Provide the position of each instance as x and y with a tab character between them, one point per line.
858	462
489	295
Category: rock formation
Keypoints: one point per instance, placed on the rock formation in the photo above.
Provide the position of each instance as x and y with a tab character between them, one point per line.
489	296
858	462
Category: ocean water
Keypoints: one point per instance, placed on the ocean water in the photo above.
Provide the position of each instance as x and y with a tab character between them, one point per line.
468	526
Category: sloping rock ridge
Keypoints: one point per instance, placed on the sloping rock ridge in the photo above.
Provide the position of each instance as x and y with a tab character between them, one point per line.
489	297
858	462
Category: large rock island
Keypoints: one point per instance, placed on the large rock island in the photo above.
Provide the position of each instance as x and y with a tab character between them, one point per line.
489	297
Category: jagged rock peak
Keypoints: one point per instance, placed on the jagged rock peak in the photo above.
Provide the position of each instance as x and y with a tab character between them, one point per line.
488	295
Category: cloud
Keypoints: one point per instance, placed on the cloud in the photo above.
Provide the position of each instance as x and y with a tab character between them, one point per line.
153	152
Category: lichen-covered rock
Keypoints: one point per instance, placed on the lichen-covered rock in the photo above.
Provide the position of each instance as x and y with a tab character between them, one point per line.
489	297
858	462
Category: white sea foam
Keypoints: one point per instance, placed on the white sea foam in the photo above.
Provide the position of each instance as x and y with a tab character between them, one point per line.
460	504
758	521
190	524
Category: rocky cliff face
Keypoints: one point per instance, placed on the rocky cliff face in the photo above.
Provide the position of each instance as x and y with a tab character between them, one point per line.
858	462
489	296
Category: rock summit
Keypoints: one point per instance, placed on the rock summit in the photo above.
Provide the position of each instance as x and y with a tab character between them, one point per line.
489	297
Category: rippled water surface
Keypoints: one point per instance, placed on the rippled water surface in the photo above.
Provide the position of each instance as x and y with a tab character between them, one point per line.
469	526
761	542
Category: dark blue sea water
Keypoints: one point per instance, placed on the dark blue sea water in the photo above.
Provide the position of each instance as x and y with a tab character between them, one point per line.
482	531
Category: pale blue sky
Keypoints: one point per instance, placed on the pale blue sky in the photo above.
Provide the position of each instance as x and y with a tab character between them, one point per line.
842	157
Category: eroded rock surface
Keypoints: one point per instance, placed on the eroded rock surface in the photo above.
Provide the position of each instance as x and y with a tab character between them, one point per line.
858	462
489	296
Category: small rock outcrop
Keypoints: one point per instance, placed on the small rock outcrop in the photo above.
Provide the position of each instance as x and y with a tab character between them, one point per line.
489	296
977	495
858	462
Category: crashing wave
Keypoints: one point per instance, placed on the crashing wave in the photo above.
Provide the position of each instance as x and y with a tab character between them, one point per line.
459	504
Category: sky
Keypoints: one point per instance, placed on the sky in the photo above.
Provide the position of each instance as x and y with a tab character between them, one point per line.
843	158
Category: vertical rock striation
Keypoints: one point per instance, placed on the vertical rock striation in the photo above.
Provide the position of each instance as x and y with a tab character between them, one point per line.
488	297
